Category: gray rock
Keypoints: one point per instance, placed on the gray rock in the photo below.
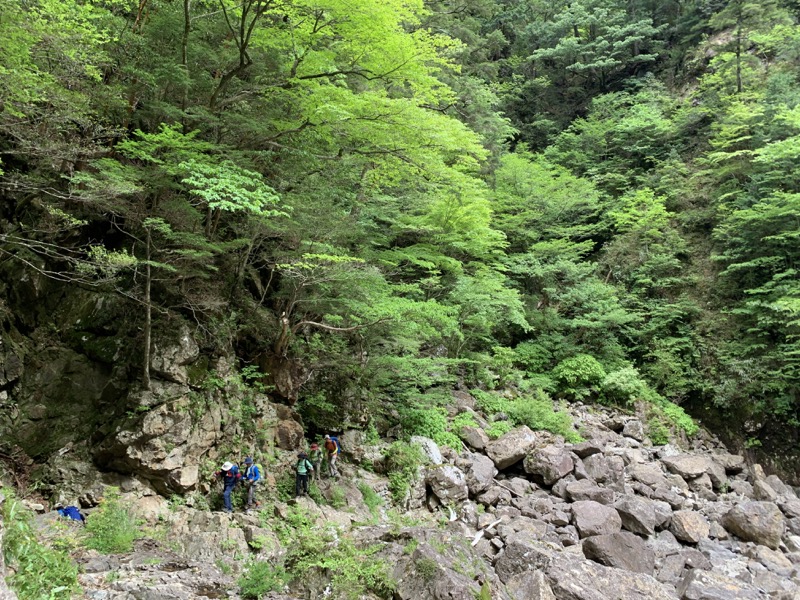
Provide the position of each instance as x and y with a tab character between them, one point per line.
674	499
474	437
780	488
606	469
621	550
530	585
587	580
638	516
634	429
447	482
791	508
743	488
708	585
663	513
480	472
689	526
171	355
511	447
759	522
585	449
586	489
732	463
429	448
763	491
649	474
592	518
495	496
687	466
550	464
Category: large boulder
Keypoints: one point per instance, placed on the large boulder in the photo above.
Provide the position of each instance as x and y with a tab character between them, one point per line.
687	466
759	522
447	482
588	580
429	448
549	464
689	526
649	474
592	518
480	472
586	489
621	550
638	515
530	585
709	585
474	437
608	470
511	447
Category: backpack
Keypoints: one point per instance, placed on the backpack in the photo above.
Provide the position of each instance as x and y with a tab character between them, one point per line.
71	512
333	440
260	471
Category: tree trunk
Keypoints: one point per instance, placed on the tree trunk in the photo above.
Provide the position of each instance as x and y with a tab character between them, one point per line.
148	317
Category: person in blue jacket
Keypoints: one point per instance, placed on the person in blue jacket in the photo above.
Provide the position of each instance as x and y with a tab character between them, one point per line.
230	477
252	477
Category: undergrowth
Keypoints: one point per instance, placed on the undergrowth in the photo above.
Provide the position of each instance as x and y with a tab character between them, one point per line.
402	461
40	573
535	412
112	528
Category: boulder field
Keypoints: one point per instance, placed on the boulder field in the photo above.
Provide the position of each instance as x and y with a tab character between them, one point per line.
526	516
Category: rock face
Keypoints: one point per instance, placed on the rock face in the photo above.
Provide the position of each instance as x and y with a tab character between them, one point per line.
172	355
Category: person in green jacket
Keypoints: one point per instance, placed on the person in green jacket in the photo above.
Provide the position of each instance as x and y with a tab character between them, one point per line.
303	468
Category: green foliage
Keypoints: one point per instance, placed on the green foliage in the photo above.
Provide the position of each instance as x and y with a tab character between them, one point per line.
261	577
371	499
38	572
402	461
112	528
536	412
430	421
426	568
498	428
579	376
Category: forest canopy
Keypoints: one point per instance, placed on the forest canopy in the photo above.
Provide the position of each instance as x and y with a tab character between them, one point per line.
587	200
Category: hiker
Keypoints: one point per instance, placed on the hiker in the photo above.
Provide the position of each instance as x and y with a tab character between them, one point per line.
230	477
252	477
332	449
316	460
302	468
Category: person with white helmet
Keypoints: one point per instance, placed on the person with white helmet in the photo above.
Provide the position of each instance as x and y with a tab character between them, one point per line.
230	475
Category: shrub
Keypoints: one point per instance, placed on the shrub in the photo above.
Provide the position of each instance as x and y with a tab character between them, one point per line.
579	375
260	578
429	422
402	462
371	498
112	528
39	572
534	411
664	417
498	428
625	386
355	572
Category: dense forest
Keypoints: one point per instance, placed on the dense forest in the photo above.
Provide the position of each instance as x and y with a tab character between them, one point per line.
372	202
